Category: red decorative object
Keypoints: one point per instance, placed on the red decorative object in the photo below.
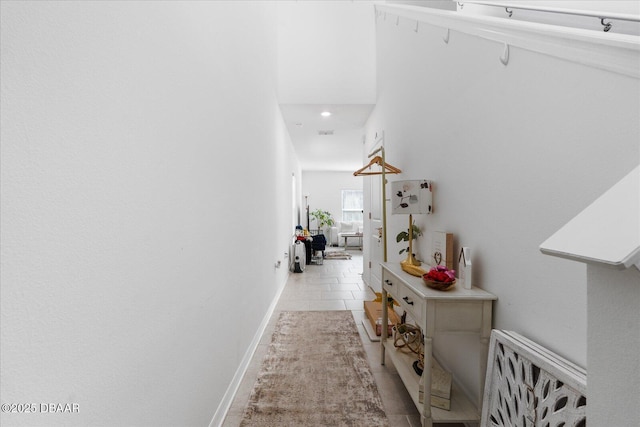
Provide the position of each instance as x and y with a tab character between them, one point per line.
440	278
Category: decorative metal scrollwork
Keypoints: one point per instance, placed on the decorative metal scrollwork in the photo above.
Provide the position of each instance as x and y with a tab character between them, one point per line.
525	395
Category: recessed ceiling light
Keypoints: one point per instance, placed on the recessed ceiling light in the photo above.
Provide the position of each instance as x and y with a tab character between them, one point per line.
325	114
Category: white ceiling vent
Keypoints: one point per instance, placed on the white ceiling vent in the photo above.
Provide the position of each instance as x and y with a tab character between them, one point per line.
325	132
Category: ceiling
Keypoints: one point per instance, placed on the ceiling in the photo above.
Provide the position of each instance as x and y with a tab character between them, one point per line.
333	143
326	62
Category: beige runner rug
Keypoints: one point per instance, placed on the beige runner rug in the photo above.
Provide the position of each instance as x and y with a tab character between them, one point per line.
337	255
315	373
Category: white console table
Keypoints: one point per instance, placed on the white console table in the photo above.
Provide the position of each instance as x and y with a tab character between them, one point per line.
459	311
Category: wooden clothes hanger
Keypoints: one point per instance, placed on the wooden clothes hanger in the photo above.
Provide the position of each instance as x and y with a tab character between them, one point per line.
386	168
377	160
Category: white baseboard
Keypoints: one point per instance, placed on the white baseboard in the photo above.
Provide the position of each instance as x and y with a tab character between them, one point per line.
230	394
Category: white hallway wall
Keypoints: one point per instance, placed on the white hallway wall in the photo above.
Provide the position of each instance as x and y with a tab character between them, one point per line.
139	142
613	317
514	152
321	59
325	191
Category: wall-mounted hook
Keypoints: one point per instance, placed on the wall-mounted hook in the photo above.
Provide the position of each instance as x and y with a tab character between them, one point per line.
446	36
607	25
509	11
417	24
504	58
461	5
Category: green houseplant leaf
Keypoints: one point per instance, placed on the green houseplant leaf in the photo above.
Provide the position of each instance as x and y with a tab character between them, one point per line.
322	218
403	236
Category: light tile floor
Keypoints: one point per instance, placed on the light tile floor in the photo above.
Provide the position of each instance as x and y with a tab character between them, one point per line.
334	285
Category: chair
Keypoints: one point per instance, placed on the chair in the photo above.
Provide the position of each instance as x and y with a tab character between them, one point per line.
319	243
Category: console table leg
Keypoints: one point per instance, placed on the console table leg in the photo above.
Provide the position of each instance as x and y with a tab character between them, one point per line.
385	321
485	337
426	379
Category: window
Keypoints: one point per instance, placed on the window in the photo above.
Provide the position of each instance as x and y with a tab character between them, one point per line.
352	205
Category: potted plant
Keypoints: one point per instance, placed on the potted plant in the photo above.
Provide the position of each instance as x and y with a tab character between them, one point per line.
403	236
323	218
411	265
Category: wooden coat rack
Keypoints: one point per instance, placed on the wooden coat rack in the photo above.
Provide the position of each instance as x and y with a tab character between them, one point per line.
385	169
